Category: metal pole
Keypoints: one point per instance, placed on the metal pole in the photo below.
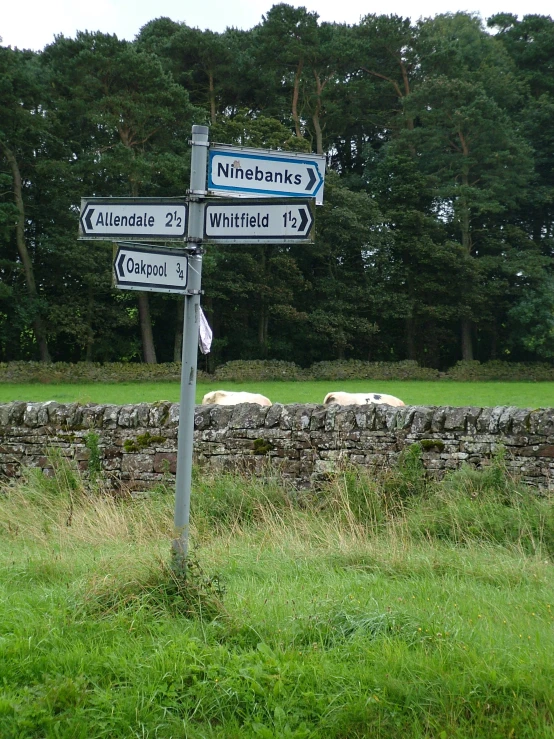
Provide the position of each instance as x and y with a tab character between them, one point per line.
190	347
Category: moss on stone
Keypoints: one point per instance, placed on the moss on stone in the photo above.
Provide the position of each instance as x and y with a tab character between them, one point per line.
428	444
146	439
262	446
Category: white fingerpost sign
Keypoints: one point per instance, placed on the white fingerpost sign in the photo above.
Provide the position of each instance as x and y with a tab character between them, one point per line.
151	268
243	172
133	218
285	221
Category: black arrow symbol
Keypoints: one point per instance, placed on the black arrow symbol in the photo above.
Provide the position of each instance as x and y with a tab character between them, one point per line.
313	178
120	269
88	223
303	219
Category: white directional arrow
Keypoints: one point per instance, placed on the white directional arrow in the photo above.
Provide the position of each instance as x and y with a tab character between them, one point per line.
259	221
133	218
151	268
244	172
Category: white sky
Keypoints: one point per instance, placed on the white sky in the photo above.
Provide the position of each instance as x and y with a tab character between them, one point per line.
31	24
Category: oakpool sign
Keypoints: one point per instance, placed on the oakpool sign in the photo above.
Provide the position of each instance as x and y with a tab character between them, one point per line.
151	268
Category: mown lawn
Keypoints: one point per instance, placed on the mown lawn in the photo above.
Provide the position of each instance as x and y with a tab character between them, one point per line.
382	608
522	394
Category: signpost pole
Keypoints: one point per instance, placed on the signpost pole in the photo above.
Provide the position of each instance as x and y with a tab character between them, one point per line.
190	348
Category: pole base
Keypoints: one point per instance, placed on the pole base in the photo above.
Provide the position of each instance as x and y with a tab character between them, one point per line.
179	557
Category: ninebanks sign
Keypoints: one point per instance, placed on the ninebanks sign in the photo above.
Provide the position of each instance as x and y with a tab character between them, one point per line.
245	172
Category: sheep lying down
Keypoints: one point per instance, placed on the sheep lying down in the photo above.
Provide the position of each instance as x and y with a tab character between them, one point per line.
361	399
228	397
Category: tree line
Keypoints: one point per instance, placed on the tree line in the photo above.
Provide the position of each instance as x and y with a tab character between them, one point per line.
436	236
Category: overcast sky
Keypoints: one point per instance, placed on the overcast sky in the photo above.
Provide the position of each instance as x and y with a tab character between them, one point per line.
31	24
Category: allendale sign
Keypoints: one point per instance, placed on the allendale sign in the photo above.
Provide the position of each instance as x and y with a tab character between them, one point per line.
133	218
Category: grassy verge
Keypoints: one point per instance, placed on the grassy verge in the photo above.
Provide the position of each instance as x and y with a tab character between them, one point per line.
376	607
522	394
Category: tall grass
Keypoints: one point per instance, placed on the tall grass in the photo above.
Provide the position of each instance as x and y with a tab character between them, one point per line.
385	604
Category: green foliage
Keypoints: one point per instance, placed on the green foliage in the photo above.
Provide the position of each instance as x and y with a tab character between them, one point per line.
485	506
532	321
262	446
497	371
270	370
142	441
359	498
224	502
83	372
436	445
95	461
260	132
258	370
357	370
147	439
63	483
371	498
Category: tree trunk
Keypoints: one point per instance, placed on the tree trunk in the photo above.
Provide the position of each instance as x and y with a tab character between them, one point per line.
148	350
263	311
38	325
317	115
295	96
409	325
263	325
147	336
178	341
318	134
212	97
494	343
467	342
430	354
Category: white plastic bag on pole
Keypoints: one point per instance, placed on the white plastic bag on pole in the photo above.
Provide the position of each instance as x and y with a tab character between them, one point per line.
205	334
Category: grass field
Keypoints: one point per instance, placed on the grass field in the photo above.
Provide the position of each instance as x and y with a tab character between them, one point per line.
522	394
385	608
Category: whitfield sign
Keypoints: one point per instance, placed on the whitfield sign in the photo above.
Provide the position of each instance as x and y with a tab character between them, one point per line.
262	221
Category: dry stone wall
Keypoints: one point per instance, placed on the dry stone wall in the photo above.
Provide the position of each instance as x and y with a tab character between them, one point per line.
300	443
